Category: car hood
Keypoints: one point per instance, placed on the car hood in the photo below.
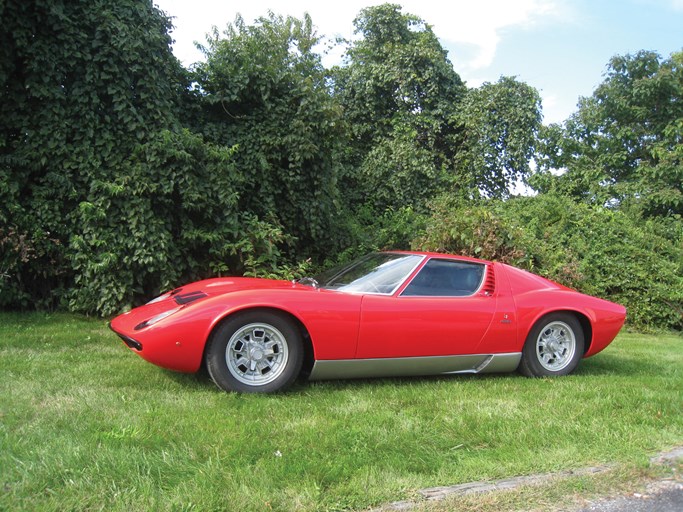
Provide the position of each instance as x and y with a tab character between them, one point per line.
223	285
195	293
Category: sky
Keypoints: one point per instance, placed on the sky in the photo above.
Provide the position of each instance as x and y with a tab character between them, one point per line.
560	47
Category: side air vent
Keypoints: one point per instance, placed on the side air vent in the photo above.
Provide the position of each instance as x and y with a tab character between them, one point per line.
489	287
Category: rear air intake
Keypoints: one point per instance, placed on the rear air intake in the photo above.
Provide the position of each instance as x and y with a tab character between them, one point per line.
490	283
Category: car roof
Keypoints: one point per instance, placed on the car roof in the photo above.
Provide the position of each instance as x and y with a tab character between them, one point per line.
443	256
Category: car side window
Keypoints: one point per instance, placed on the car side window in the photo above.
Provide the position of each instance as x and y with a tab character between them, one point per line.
446	278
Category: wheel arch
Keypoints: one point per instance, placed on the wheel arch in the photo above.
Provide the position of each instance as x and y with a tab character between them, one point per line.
309	353
582	318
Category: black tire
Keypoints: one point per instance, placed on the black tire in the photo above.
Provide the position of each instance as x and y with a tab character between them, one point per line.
553	347
255	352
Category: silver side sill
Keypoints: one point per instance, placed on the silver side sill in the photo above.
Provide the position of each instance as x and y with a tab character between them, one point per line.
409	366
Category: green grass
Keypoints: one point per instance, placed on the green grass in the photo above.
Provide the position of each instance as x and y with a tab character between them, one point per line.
87	425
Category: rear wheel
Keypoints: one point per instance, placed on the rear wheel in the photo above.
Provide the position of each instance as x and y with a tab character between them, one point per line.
553	347
255	352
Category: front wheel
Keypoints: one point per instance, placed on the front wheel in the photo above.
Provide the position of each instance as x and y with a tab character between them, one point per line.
255	352
553	347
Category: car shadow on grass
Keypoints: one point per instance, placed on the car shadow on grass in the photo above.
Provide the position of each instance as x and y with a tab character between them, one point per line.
619	364
600	365
199	379
407	382
202	380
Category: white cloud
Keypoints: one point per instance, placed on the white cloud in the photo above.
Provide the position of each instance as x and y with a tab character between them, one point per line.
676	5
477	24
556	108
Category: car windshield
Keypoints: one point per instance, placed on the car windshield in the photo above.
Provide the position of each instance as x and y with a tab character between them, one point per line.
374	273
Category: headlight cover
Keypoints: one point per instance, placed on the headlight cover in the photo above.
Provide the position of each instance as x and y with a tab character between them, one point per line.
156	319
161	297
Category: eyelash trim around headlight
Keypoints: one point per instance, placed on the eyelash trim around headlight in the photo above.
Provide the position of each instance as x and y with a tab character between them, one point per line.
155	319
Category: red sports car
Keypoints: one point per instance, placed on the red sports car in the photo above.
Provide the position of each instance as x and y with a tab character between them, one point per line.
386	314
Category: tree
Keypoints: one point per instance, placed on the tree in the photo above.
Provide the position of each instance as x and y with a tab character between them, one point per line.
396	72
501	124
623	145
263	89
417	130
82	82
105	199
399	93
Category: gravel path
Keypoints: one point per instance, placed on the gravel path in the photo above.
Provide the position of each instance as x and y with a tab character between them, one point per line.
661	496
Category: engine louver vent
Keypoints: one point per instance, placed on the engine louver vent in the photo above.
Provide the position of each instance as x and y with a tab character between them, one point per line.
186	298
489	287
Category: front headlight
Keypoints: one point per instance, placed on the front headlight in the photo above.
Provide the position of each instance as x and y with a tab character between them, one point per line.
156	319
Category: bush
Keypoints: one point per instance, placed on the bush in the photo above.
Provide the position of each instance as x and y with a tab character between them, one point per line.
592	249
169	217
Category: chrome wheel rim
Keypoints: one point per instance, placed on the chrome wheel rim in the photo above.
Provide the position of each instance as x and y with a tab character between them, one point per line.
257	354
555	346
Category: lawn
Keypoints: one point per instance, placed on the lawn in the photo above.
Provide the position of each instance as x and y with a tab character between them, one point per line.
87	425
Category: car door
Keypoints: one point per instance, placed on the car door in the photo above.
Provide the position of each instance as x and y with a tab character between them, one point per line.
443	310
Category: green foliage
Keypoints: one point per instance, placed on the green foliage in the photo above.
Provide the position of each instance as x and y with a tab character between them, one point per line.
501	123
169	216
399	94
263	89
397	73
660	186
392	229
122	174
399	172
105	199
595	250
416	129
624	144
83	84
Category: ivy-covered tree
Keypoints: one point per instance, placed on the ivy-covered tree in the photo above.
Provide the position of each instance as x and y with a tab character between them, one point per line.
397	71
417	130
500	123
399	94
83	82
263	89
624	144
104	198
